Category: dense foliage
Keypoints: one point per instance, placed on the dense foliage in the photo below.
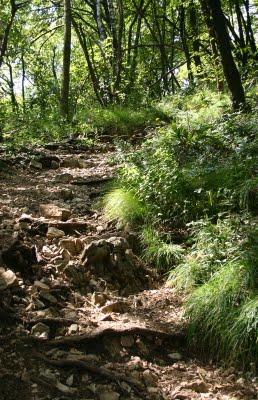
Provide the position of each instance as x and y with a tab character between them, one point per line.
58	60
193	188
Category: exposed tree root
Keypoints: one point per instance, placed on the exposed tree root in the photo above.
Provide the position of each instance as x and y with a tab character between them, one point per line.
104	372
52	386
112	331
92	181
52	321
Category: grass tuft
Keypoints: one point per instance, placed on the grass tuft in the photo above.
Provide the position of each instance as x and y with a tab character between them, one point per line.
163	255
123	206
243	337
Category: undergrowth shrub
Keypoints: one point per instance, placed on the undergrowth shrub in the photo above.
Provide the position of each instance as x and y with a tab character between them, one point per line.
220	274
89	124
121	120
198	175
182	176
211	245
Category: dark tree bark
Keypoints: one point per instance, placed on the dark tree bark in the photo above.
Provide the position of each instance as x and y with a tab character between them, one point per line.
229	67
23	82
240	24
94	78
193	21
250	39
65	86
185	47
4	41
53	65
14	102
213	43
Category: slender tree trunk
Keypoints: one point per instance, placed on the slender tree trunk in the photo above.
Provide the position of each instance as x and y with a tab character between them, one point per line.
23	83
193	21
132	60
65	86
4	41
53	65
208	20
14	102
229	67
185	44
107	81
239	21
101	30
94	78
249	30
119	52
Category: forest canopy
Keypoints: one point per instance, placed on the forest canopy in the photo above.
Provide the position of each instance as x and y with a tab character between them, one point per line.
66	56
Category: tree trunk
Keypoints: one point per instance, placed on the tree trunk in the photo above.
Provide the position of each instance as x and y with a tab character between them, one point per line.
193	21
213	43
23	83
64	100
4	41
249	30
94	77
229	67
14	102
182	30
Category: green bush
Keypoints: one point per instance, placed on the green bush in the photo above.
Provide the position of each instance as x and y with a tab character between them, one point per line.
198	176
186	172
89	124
120	120
182	176
220	274
211	246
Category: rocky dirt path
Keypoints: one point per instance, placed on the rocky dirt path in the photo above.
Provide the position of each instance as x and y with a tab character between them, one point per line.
81	315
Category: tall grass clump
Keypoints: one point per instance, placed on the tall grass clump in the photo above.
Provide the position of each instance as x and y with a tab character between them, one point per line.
117	120
211	245
222	285
243	338
162	253
123	206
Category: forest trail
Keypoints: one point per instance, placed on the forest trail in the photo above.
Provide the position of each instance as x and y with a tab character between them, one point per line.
82	316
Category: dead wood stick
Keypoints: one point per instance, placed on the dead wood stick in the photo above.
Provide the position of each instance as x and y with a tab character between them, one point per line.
92	181
104	372
40	225
53	320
